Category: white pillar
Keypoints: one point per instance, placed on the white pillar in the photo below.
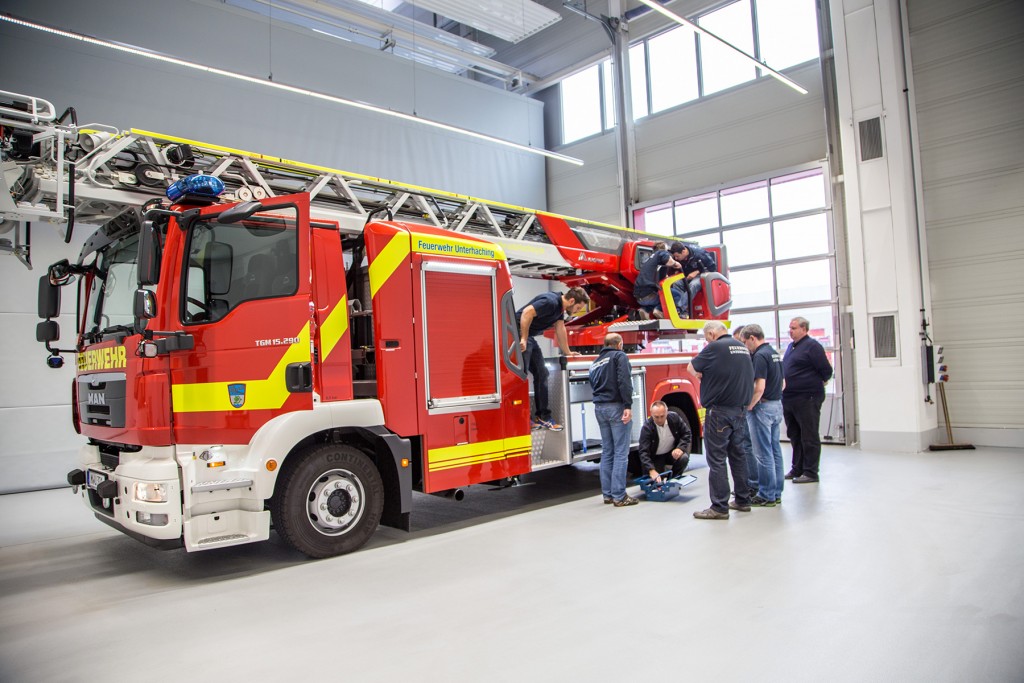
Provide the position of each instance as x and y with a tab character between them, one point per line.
887	281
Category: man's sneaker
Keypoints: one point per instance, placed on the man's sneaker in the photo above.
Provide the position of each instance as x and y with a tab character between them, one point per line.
549	425
711	513
778	501
608	500
790	474
628	500
742	507
536	424
759	502
804	479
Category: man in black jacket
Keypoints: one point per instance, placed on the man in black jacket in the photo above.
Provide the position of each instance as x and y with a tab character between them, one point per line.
664	441
806	370
696	261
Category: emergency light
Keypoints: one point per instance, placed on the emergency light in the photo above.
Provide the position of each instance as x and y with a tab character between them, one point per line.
199	185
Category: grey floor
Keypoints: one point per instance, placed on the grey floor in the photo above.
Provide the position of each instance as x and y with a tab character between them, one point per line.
895	568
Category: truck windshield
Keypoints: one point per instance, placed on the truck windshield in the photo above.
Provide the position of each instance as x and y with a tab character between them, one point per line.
112	293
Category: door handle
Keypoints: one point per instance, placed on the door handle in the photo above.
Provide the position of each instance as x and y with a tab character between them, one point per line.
298	377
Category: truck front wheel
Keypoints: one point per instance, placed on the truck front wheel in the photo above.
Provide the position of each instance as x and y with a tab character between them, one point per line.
329	502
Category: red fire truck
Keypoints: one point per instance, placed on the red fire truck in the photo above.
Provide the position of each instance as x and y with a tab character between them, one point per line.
310	347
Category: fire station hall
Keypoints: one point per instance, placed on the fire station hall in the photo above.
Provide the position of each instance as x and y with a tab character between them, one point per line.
512	340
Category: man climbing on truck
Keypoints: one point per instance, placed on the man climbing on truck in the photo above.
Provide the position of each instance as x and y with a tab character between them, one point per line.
543	312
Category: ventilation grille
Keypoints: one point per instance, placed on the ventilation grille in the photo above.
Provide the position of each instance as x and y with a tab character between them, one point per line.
884	328
871	139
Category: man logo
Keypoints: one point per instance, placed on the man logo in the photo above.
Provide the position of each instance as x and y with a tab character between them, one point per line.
236	392
96	398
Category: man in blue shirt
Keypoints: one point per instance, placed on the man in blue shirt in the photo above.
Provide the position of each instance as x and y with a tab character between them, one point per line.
695	261
610	379
726	385
764	417
806	370
645	288
544	311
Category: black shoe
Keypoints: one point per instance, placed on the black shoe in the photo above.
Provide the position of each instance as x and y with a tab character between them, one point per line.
759	502
791	474
805	479
742	507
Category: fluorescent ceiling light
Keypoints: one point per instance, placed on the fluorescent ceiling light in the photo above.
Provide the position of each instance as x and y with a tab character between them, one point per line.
120	47
511	20
659	8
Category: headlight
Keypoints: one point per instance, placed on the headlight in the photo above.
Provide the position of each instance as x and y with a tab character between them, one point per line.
147	492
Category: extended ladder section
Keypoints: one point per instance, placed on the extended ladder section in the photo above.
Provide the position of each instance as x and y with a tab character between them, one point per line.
62	173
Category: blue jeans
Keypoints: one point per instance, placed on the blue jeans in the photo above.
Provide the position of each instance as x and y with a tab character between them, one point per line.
765	422
614	449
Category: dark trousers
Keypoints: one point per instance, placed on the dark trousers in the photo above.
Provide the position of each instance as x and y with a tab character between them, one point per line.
535	365
725	432
661	462
803	418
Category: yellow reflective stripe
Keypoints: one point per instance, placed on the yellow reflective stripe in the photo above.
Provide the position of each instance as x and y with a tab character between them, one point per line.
463	455
334	327
387	261
260	394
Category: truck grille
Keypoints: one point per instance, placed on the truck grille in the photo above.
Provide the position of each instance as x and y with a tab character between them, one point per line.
101	399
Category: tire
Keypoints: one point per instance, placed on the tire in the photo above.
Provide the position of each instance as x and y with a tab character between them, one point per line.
693	437
329	502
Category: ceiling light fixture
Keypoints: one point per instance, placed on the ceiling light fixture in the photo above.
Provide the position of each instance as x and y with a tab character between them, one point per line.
659	8
120	47
511	21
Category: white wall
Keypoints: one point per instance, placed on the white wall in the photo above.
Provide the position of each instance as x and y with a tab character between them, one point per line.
37	446
969	95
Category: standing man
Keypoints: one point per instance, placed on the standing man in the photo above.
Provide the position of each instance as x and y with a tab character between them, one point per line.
726	386
737	334
544	311
806	370
613	400
664	441
764	417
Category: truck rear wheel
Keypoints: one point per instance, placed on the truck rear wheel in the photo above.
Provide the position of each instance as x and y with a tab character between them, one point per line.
329	502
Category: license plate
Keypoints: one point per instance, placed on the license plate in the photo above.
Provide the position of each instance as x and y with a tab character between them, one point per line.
94	479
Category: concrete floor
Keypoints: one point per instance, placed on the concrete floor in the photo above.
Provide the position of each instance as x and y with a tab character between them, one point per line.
895	568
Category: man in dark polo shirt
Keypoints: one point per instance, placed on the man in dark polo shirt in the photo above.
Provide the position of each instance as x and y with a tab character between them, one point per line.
726	386
806	369
544	311
764	417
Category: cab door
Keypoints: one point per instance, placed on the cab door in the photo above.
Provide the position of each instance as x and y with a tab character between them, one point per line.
244	296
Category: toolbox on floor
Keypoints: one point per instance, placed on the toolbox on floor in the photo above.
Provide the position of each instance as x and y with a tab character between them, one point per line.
667	489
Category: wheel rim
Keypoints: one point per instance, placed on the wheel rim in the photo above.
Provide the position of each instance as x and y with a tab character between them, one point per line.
335	502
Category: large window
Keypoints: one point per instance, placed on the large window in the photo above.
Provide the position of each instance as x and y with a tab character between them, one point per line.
778	246
677	66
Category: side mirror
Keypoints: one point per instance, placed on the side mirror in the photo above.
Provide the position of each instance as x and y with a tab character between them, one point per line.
218	267
149	255
49	298
47	331
239	212
144	304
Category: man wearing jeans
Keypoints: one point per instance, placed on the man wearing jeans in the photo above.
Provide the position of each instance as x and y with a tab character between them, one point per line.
613	400
764	417
806	369
726	386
